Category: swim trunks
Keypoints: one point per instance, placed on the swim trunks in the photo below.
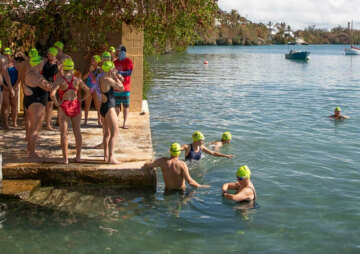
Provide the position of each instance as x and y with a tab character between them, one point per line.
122	98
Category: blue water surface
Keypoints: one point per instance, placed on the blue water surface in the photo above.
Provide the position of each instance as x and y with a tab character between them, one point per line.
305	167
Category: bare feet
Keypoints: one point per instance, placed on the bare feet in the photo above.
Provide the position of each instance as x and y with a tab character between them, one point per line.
15	124
125	126
33	155
114	161
65	161
77	159
99	146
85	123
50	128
6	127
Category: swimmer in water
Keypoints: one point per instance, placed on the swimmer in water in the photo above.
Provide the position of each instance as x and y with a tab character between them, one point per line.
194	150
244	188
175	172
225	139
337	114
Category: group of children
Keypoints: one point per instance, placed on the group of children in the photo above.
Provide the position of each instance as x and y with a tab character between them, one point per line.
53	80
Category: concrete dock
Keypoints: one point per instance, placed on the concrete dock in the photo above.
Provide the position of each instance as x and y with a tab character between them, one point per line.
19	189
133	149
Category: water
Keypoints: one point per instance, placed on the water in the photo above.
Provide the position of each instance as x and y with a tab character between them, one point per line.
305	167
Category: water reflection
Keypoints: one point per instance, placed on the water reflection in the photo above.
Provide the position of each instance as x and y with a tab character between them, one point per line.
3	209
108	203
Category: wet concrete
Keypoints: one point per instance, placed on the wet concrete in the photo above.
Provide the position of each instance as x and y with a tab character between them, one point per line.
133	149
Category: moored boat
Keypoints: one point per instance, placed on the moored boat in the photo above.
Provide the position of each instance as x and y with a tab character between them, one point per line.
298	55
352	50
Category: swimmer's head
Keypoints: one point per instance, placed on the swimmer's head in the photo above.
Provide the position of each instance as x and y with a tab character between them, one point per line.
107	66
106	56
35	60
68	64
112	49
338	109
226	136
59	45
7	51
175	150
33	52
97	58
243	173
197	136
53	51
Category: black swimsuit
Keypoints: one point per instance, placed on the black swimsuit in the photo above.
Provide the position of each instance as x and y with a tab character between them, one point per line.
251	189
39	95
110	103
49	72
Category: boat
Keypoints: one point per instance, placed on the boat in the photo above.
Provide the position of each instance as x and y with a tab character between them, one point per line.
352	50
298	55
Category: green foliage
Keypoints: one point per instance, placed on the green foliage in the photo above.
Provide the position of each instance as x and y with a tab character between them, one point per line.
232	29
161	20
168	25
147	78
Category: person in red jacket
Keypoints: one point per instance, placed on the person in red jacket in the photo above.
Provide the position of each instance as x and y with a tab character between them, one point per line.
124	66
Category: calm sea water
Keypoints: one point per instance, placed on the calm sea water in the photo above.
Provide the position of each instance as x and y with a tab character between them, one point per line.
305	167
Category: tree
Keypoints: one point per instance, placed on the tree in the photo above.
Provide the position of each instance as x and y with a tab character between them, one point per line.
161	20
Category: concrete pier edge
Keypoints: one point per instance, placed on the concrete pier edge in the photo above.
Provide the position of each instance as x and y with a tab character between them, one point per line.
133	149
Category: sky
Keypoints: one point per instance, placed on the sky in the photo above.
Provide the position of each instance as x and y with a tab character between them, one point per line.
298	14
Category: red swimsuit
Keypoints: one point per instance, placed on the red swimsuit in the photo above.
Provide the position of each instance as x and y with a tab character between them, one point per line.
70	108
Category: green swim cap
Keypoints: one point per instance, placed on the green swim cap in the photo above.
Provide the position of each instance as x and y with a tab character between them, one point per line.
226	136
33	52
112	49
68	64
59	44
0	44
107	66
106	54
243	172
53	51
197	136
175	150
7	51
97	58
337	109
35	60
